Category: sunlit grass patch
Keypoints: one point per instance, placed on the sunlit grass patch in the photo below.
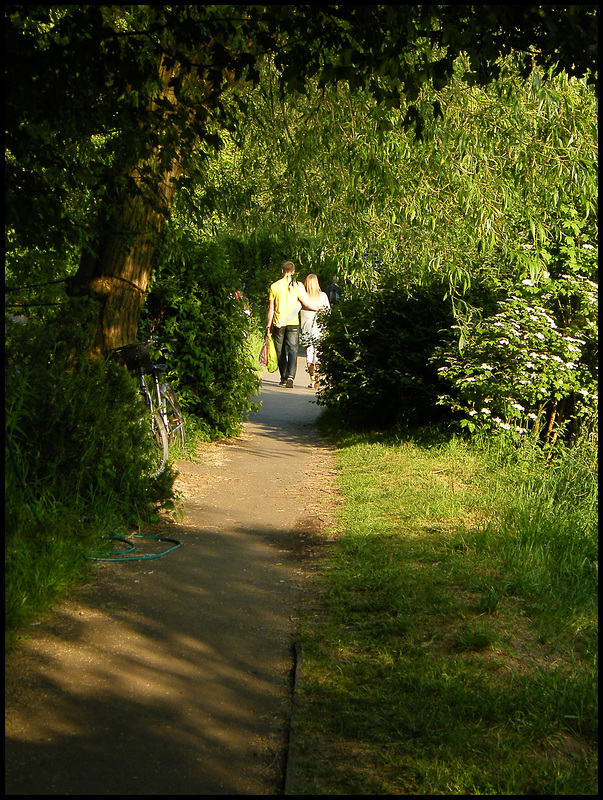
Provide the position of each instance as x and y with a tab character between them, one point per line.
440	660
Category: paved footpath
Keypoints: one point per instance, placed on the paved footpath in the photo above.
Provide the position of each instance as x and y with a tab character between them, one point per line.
173	675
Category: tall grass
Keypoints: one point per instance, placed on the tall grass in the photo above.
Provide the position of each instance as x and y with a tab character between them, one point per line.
45	559
544	521
452	647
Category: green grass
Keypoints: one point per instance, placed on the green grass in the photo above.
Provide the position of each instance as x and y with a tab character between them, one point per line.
451	647
47	556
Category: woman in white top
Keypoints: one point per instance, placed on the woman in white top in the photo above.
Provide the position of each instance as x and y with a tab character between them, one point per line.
311	329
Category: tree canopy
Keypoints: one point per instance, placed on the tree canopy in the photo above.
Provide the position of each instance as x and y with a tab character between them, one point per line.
109	107
494	172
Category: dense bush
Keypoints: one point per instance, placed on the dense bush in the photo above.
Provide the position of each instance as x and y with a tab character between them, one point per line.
74	423
531	367
193	300
376	355
77	461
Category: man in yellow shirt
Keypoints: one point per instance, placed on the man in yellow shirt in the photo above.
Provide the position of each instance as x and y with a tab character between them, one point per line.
286	298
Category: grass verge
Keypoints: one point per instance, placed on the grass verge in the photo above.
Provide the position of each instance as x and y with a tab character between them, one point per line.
451	648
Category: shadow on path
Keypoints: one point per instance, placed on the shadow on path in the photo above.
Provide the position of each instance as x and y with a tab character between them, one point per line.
172	676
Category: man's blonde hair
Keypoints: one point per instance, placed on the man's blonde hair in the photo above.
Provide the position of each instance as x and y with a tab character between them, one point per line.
288	266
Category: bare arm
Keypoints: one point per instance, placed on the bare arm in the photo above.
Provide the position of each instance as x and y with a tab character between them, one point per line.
304	299
270	314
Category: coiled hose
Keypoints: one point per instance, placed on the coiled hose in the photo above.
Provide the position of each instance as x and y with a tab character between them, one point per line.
120	555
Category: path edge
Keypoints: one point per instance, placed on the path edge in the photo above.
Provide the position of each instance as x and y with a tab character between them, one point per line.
290	773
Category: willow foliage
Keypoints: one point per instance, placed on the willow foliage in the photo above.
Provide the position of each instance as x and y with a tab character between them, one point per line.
493	169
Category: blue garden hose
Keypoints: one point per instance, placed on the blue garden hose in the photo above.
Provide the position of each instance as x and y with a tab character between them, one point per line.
120	553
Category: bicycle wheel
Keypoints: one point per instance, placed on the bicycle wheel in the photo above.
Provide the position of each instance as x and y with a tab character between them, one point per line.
160	438
174	416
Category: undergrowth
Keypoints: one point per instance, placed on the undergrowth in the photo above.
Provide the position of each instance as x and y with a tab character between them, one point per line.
77	464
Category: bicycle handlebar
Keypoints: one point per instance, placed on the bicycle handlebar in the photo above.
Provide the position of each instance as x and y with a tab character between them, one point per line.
136	355
153	340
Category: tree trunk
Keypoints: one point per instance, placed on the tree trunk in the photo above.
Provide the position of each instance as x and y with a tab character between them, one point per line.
551	422
117	276
120	275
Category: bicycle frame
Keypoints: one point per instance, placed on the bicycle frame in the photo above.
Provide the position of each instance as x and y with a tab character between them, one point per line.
158	400
158	397
155	399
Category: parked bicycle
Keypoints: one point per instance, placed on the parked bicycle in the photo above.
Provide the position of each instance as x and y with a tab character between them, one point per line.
167	420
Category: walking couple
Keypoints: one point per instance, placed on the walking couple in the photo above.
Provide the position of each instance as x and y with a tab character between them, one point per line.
292	306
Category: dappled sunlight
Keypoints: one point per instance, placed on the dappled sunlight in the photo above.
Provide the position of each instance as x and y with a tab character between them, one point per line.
202	682
206	681
172	676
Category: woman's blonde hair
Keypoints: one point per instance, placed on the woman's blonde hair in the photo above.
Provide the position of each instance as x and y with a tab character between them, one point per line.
312	285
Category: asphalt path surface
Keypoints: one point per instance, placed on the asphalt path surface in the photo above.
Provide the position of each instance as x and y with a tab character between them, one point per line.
174	675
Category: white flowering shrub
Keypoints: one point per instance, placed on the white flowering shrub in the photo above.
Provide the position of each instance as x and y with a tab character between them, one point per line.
531	367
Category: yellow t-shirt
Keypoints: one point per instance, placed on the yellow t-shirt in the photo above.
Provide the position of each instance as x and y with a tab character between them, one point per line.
285	294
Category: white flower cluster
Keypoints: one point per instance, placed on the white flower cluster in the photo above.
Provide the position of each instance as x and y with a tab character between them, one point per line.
523	359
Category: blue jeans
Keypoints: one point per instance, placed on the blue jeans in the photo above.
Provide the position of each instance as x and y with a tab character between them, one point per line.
286	341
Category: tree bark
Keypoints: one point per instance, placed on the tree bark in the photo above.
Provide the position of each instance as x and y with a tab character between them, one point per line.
121	277
117	276
551	422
